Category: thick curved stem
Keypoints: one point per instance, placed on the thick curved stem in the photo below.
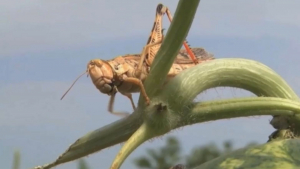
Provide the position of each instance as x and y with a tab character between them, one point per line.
242	107
241	73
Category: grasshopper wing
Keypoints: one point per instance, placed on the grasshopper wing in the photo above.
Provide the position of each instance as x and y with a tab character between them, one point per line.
200	53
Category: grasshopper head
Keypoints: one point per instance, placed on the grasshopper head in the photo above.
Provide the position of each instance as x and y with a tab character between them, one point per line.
101	74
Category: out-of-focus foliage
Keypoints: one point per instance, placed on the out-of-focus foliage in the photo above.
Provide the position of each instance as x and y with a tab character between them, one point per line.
16	160
161	158
82	164
277	154
170	154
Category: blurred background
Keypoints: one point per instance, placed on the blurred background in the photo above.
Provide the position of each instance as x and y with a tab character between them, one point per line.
45	45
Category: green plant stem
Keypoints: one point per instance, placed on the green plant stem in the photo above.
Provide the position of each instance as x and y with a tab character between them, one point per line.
214	110
240	73
242	107
140	136
171	45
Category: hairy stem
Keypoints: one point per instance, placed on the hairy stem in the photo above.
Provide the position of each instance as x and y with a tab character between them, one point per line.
171	45
140	136
242	107
240	73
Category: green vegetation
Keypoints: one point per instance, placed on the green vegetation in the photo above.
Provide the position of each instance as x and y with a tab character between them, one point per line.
171	154
168	155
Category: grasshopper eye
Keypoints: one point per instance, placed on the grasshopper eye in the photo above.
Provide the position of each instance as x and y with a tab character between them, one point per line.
106	88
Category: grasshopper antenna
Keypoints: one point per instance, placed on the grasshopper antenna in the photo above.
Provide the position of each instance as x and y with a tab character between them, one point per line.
73	84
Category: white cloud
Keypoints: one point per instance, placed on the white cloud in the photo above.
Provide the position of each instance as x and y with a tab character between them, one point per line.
32	26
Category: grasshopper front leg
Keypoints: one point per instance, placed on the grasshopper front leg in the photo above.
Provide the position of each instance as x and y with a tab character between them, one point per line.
111	104
139	83
132	80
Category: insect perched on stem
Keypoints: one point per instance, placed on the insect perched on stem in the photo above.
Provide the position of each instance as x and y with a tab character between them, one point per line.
126	74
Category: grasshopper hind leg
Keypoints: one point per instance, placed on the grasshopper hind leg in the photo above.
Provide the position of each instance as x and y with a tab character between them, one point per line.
143	57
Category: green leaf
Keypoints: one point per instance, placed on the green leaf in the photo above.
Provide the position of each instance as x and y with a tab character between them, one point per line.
281	154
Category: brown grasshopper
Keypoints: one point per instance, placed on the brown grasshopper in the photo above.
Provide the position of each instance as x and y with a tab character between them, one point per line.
126	74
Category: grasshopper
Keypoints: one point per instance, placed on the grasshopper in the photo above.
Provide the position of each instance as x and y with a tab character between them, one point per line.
126	74
156	37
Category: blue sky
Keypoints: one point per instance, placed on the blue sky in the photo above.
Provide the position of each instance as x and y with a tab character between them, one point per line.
44	45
